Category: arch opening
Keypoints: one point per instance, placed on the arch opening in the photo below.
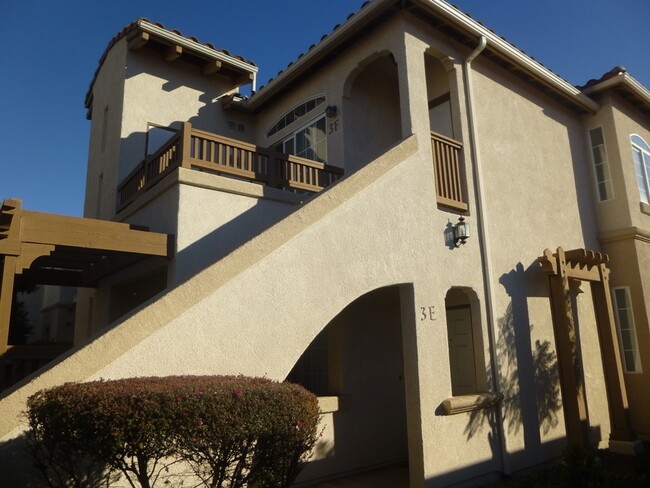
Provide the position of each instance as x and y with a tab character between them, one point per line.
358	358
371	112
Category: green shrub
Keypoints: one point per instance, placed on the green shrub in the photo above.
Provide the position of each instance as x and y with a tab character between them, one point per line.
230	431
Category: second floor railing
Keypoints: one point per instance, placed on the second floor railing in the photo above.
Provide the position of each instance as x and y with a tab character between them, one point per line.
446	162
193	148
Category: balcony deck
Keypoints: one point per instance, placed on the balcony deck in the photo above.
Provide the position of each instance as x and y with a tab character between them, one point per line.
205	151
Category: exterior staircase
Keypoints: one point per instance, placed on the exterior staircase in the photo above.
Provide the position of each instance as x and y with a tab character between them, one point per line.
255	311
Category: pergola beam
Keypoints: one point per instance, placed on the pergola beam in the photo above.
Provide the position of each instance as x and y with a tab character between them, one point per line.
570	365
61	250
581	264
77	232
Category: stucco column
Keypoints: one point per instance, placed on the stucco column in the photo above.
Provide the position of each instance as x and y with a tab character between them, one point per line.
413	88
6	297
412	387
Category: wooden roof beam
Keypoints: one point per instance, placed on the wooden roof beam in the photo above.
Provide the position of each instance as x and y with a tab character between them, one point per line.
59	277
245	79
139	40
211	67
172	53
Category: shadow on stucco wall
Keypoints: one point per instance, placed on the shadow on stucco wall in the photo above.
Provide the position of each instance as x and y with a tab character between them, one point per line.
18	469
526	372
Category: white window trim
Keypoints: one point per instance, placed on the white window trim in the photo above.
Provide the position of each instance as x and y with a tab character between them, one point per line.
643	151
606	165
292	133
639	365
319	108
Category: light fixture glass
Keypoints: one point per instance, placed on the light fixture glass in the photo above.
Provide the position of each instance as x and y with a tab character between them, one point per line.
461	231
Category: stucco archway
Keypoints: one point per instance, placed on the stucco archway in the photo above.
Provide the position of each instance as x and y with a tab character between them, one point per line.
361	354
371	108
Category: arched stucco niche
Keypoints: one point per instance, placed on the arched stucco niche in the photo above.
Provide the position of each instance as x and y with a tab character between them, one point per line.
362	351
466	345
443	109
371	110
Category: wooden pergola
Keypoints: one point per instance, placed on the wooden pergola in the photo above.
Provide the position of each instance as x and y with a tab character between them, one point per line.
43	248
580	264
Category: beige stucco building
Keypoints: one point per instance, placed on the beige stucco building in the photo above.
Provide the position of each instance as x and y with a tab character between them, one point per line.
340	265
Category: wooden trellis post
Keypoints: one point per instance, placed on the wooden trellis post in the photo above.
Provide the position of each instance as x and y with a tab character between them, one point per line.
580	264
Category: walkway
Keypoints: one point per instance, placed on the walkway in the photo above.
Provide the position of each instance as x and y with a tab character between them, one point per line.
395	476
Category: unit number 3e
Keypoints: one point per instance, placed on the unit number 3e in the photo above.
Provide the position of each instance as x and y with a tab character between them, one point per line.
428	313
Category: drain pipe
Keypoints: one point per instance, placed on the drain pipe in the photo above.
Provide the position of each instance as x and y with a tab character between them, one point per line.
483	240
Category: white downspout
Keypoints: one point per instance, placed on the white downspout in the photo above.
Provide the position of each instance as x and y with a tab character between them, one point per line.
482	225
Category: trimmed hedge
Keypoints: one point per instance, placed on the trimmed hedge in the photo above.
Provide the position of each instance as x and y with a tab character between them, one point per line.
230	431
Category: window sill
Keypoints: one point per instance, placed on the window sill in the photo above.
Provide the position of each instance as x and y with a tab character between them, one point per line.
469	403
645	208
330	404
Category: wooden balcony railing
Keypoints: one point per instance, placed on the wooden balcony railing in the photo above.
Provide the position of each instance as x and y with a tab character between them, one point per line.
446	162
197	149
20	361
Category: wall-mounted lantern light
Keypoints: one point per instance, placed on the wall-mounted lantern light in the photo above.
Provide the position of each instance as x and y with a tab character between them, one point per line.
461	231
330	111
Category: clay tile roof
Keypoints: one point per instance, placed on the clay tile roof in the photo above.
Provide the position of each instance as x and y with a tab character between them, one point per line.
368	2
135	25
615	71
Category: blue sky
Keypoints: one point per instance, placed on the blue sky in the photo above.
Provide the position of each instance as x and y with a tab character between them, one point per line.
49	50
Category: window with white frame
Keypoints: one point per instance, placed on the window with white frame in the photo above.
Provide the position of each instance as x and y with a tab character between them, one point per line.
626	329
309	141
641	157
601	165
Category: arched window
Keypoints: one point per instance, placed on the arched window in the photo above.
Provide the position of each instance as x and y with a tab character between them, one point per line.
295	113
303	130
641	157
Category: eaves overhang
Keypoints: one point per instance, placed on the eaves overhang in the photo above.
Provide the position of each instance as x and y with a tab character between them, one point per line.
174	45
625	85
174	38
513	58
330	45
450	21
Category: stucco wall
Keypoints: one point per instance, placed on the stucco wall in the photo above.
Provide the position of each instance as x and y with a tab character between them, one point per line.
627	122
218	214
623	222
533	158
257	309
168	94
105	130
629	257
613	213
